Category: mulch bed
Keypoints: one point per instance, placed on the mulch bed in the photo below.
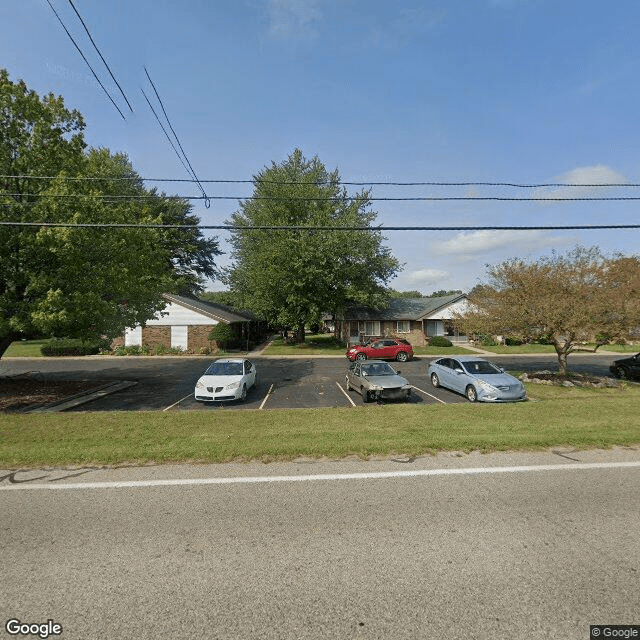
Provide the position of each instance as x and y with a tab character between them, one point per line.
21	392
569	380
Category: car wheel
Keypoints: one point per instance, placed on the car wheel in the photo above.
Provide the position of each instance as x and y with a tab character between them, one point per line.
621	372
435	382
402	356
365	395
243	395
361	356
471	393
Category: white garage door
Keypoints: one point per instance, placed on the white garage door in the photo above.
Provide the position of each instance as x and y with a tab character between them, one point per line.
179	336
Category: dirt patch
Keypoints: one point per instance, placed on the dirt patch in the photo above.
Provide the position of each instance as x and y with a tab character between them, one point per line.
19	393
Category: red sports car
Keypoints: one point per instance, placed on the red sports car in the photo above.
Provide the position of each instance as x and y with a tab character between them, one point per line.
386	348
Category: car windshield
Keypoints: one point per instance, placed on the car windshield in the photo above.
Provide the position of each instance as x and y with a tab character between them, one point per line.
480	366
224	369
378	369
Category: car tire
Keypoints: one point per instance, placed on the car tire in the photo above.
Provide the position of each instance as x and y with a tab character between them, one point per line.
435	381
243	395
361	356
471	393
365	396
402	356
621	372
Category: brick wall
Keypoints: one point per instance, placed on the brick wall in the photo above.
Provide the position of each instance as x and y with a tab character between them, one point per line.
156	335
197	337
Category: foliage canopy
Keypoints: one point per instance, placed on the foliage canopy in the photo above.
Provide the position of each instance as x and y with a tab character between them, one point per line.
73	281
565	299
291	277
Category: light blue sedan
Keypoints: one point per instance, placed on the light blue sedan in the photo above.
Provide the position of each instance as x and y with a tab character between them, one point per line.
478	379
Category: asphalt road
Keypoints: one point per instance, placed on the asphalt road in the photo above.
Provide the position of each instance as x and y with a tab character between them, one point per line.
501	556
165	383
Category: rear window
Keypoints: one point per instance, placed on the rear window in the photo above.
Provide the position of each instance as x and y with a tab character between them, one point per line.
404	342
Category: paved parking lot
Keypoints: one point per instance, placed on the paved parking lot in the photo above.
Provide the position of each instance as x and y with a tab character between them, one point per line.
282	383
167	384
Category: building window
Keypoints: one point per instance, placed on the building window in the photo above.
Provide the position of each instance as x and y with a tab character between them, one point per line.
403	326
372	328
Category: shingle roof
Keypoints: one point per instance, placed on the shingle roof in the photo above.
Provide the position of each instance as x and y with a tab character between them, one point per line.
405	308
218	312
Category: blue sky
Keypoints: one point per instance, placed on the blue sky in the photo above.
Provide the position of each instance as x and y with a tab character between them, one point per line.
518	91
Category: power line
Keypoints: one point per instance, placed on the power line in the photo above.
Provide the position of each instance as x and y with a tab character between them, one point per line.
321	228
295	182
175	135
95	46
205	197
85	59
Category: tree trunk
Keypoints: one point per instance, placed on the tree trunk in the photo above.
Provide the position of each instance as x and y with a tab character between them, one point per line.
562	359
300	334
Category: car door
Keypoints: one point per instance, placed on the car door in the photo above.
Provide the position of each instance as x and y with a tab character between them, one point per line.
249	373
443	370
458	380
387	349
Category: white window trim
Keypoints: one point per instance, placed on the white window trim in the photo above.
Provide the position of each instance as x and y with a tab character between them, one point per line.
376	325
399	322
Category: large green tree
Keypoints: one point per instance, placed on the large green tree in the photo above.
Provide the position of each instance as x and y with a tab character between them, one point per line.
291	277
565	299
75	281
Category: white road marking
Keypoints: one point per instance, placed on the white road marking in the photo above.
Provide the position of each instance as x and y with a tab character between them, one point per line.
266	397
175	403
346	394
428	394
127	484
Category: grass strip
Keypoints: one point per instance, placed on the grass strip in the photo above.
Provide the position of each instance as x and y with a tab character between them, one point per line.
580	418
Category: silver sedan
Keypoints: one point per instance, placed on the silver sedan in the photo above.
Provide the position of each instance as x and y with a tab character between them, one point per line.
477	379
377	380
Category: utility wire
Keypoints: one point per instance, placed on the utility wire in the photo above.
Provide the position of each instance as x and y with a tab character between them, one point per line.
165	133
95	46
193	173
295	182
205	197
319	228
85	59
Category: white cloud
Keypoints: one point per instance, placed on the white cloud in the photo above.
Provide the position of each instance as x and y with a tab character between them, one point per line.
293	18
596	175
469	245
425	276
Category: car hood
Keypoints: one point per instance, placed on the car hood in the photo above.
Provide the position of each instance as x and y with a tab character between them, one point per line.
497	379
219	381
387	382
625	361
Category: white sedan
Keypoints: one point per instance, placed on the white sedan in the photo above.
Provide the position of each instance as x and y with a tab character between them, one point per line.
226	379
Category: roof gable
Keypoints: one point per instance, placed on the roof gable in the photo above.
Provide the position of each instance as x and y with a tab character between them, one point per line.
213	310
406	308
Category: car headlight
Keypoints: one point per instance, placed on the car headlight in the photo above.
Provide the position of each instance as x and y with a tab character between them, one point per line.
233	385
486	386
200	385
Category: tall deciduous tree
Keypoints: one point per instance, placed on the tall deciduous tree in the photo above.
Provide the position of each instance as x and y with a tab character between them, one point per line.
579	296
72	281
290	277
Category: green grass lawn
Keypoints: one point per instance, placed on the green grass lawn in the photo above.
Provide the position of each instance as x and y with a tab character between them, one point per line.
26	348
580	418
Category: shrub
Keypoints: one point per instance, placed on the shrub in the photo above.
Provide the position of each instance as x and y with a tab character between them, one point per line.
513	342
70	347
487	340
223	334
440	341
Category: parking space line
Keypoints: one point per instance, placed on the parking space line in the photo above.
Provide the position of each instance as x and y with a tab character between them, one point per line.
346	394
428	394
266	397
179	401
